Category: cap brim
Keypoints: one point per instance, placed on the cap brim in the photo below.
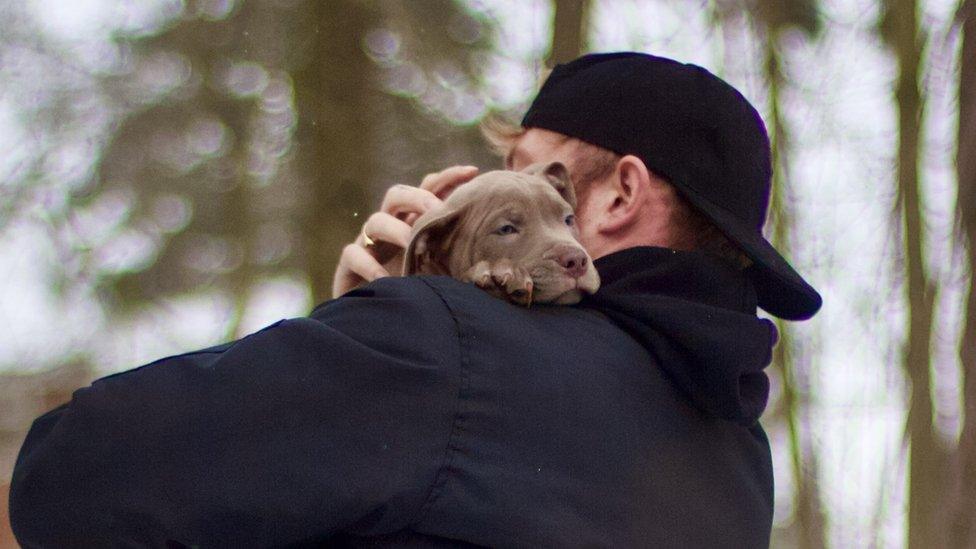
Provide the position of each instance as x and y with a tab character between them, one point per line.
781	291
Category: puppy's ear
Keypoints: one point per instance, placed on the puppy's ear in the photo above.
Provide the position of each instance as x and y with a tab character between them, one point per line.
430	242
558	176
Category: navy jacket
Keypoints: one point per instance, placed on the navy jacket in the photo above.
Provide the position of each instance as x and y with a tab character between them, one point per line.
422	412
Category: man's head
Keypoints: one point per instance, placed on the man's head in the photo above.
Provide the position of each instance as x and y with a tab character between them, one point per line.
661	154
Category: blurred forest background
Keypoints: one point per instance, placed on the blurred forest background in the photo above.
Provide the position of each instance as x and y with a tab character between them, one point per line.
174	174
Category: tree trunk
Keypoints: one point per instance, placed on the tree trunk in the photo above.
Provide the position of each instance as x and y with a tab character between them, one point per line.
963	527
927	469
333	92
811	522
568	31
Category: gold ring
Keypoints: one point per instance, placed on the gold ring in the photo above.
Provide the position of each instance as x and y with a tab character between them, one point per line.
367	241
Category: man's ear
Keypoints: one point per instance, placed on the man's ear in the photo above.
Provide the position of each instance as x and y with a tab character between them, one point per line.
430	242
558	176
630	196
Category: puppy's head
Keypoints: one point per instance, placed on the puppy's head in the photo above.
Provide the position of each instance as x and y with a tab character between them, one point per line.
525	217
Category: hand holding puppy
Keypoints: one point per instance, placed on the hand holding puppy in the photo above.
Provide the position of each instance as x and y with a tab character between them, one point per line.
389	229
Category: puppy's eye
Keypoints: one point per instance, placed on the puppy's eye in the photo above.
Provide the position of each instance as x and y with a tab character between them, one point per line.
570	220
507	229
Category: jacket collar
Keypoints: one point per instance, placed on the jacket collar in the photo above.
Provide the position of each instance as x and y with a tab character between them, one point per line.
693	276
696	317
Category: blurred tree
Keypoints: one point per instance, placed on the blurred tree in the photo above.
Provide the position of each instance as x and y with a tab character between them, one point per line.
963	519
569	31
900	29
191	161
771	20
428	53
69	118
335	88
777	17
257	132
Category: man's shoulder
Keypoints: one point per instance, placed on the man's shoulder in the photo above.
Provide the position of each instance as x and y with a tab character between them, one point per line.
393	316
418	294
418	311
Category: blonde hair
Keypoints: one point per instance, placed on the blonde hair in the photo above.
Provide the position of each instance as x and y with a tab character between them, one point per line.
500	134
591	163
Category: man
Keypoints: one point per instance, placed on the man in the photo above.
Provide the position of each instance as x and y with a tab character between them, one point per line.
421	412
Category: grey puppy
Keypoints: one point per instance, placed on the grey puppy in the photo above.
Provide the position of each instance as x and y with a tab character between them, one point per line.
511	233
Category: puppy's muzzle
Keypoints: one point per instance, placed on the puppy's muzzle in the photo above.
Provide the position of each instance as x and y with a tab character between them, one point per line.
572	259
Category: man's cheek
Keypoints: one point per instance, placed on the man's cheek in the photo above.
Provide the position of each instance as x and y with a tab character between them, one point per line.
585	232
585	222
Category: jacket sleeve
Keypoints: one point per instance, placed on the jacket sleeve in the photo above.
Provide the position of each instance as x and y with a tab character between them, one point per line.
336	422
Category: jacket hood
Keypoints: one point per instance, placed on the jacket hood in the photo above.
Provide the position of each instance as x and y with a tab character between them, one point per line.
697	318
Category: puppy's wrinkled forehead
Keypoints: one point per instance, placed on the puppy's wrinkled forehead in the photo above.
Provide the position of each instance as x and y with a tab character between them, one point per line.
510	190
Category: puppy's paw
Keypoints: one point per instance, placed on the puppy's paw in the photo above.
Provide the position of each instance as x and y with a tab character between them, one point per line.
502	279
480	275
513	280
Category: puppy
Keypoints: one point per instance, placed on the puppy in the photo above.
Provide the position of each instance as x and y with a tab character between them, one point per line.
511	233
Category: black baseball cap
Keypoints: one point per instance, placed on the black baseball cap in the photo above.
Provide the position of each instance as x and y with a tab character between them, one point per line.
691	128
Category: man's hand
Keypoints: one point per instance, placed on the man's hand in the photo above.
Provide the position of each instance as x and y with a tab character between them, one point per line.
391	226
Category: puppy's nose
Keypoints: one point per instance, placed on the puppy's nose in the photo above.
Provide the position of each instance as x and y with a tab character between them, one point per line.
573	260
